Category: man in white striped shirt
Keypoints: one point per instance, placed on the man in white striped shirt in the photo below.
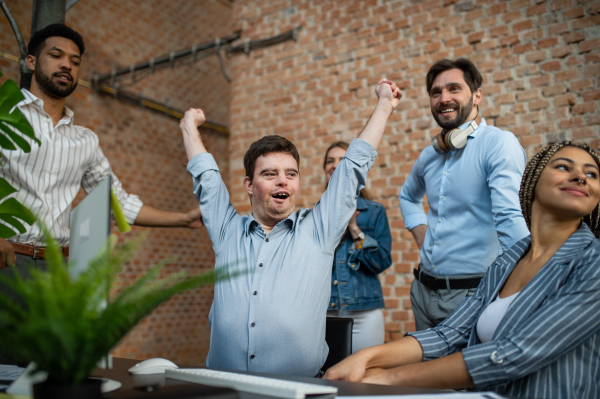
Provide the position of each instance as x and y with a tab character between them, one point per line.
48	178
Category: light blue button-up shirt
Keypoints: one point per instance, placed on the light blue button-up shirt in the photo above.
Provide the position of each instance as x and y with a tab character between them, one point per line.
272	319
473	195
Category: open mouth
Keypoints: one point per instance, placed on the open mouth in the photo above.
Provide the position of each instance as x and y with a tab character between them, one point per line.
444	111
280	197
64	77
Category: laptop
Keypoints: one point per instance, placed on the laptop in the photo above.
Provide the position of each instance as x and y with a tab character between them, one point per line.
90	227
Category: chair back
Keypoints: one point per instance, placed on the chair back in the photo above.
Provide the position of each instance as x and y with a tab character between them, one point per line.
338	335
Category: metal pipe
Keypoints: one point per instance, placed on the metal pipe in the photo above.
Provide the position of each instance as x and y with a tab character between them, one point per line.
167	58
15	28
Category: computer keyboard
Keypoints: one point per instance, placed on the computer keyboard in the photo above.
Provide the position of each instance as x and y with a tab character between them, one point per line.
250	383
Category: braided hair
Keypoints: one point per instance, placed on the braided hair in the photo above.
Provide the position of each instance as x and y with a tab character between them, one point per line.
532	173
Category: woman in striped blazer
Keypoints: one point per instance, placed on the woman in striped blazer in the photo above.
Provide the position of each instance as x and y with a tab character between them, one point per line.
532	328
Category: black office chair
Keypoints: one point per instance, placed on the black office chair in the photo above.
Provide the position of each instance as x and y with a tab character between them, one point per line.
338	335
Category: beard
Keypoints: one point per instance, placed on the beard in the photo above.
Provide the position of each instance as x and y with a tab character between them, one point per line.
51	87
461	117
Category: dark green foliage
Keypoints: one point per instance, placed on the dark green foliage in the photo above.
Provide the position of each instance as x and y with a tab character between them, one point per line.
66	326
11	209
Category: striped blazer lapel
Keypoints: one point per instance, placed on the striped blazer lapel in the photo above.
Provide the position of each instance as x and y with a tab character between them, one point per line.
547	281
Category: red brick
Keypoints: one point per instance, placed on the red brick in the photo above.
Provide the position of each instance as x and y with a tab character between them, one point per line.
551	66
502	76
565	99
475	37
511	16
536	56
540	80
538	104
562	51
577	12
583	132
569	74
501	30
553	41
528	94
591	95
554	89
583	108
504	98
535	10
523	25
558	29
573	37
589	45
508	40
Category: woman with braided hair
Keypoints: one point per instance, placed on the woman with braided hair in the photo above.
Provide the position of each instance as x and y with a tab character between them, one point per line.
532	328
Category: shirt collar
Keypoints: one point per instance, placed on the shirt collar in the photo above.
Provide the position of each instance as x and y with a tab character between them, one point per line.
290	222
39	104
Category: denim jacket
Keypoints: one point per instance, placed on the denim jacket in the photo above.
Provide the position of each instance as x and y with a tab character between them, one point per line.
354	283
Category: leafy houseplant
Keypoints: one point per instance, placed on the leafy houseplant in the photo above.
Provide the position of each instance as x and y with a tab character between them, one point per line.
65	326
11	209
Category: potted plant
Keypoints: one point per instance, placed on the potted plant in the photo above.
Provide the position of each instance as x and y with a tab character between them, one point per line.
65	326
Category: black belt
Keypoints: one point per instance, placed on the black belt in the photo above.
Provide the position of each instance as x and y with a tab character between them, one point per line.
434	283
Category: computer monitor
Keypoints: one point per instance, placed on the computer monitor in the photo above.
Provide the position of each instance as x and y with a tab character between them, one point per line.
90	227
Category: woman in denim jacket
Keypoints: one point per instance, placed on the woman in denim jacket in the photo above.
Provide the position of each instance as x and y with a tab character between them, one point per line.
363	253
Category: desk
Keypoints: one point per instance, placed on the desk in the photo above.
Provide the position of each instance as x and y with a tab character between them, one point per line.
120	373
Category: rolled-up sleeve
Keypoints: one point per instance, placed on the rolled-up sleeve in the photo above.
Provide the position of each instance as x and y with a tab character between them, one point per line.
217	212
411	198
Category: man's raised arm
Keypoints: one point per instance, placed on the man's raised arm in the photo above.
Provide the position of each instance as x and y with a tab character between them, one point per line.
389	96
191	136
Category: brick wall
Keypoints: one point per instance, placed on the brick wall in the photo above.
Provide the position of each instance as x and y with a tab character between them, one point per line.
145	149
539	60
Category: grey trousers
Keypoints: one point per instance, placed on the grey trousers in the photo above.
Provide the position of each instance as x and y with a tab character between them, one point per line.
23	266
431	307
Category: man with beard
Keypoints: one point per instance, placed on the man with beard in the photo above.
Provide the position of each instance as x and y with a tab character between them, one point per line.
272	318
471	177
48	178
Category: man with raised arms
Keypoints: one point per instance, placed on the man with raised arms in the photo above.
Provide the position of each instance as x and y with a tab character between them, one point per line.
272	319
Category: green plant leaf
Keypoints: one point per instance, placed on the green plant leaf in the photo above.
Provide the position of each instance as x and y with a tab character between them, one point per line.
10	95
65	326
10	210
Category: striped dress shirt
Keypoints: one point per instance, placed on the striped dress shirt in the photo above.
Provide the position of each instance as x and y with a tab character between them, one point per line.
548	343
48	178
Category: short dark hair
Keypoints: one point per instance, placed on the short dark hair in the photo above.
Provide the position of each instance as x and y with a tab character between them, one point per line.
264	146
472	75
36	43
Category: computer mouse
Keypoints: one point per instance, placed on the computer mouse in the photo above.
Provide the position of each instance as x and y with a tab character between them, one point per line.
153	366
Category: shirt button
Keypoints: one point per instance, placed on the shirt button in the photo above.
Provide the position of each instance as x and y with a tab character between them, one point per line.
255	292
266	239
335	282
442	197
332	305
252	356
252	325
353	265
440	221
437	242
433	266
495	358
260	265
445	173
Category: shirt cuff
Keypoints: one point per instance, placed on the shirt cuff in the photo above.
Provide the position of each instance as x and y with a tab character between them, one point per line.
415	219
489	363
430	342
360	152
201	163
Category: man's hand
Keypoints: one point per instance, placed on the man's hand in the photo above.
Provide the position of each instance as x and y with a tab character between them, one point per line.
191	136
7	254
351	368
387	90
194	219
192	117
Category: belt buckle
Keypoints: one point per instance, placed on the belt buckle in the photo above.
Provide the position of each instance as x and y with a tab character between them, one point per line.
431	281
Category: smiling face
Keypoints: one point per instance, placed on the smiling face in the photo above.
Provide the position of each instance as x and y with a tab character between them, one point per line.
569	185
451	100
274	188
56	68
332	159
